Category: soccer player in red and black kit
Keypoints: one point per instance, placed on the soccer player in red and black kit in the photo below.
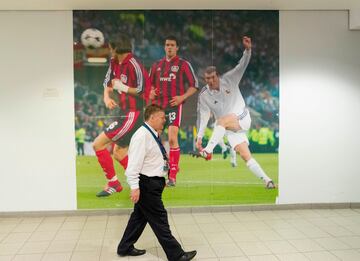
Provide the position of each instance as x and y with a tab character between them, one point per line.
172	81
127	76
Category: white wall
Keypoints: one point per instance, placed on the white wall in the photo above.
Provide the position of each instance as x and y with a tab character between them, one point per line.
37	169
319	108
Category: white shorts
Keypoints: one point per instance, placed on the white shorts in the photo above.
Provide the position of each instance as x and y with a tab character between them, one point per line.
245	120
236	138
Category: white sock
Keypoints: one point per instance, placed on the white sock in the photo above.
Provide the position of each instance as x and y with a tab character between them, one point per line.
218	134
233	156
222	145
257	170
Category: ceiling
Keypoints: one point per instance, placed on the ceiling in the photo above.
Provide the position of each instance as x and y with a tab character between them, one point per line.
183	4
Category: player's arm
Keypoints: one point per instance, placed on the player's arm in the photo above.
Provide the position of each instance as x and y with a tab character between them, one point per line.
192	83
139	82
152	94
203	117
108	90
234	76
109	102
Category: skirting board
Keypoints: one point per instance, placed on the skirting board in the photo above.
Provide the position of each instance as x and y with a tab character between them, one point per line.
206	209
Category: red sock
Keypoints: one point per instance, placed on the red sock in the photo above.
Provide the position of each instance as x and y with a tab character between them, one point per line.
174	158
106	163
124	162
115	184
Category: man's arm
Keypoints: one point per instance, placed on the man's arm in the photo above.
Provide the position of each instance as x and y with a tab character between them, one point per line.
109	102
136	154
139	83
192	81
176	100
203	117
234	76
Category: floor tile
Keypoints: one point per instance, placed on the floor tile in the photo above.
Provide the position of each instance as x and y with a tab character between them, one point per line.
319	256
263	258
26	227
267	235
218	238
16	238
88	256
57	256
34	247
66	235
353	242
89	246
75	225
61	246
10	249
42	236
331	243
28	257
347	255
280	247
290	233
247	236
292	257
227	250
306	245
285	235
254	248
47	227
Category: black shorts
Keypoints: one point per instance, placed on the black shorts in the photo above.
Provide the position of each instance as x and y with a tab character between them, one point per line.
121	130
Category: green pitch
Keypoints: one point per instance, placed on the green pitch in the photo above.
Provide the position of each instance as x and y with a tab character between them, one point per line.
199	183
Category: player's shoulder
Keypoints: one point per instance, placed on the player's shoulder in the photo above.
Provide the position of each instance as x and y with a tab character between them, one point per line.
135	60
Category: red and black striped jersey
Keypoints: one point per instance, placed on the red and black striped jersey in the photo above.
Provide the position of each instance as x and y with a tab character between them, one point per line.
171	78
132	73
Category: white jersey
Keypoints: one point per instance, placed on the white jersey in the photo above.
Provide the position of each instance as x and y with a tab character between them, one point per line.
227	99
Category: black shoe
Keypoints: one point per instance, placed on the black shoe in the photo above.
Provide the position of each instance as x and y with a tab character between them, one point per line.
188	256
133	252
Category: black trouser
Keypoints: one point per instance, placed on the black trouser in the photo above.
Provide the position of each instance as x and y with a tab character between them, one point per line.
150	209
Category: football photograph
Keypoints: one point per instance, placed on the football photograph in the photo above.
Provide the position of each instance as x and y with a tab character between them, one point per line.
212	78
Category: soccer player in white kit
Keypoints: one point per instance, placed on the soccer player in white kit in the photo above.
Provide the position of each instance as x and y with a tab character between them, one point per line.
222	97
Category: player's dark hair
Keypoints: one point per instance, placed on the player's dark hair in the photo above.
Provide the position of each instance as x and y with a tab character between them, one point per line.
172	38
121	44
151	109
211	69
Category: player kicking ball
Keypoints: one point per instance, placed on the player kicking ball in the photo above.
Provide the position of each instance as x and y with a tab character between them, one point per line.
221	97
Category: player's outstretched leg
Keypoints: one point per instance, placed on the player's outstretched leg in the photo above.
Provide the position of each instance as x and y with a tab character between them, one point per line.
253	165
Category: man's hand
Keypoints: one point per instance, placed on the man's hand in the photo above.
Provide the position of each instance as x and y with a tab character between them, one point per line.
198	143
119	86
247	42
135	195
177	100
152	94
110	103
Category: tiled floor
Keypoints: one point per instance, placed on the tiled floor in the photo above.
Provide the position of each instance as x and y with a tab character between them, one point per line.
288	235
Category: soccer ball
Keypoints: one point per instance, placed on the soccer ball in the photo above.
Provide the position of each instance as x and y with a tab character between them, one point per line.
92	38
